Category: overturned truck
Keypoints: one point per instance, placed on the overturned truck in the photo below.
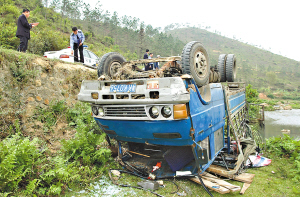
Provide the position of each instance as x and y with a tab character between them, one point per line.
179	118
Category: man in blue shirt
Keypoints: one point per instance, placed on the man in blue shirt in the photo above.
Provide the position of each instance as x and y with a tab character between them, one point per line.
156	64
76	42
149	66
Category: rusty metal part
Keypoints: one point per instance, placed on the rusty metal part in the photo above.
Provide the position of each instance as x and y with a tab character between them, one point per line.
138	153
129	70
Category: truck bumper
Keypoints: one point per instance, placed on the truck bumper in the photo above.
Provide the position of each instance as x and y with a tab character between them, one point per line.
170	133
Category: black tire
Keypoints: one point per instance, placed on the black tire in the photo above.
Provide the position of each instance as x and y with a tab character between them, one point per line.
110	63
195	61
222	67
230	68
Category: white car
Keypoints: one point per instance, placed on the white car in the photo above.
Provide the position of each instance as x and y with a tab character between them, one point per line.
90	59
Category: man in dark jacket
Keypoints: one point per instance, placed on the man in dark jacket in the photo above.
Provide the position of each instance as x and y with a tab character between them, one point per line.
23	30
146	57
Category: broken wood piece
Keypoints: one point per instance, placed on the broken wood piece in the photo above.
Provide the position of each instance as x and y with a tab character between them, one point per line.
214	179
245	187
211	185
138	153
244	177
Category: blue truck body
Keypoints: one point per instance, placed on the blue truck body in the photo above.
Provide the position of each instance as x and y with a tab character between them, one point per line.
202	129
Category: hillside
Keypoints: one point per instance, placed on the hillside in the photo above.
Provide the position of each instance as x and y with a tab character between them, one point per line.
266	71
30	84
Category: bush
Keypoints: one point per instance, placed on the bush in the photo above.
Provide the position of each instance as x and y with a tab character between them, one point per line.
286	147
85	146
28	169
251	94
20	161
47	40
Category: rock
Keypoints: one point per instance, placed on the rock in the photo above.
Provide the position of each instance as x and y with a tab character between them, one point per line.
38	83
38	98
287	107
263	96
46	102
286	131
43	75
30	99
265	104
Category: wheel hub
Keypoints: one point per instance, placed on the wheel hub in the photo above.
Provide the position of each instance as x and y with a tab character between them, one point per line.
114	68
200	64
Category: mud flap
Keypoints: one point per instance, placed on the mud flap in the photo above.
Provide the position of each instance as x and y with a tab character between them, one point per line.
202	156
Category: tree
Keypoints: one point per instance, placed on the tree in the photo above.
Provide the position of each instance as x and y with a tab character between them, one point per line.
271	77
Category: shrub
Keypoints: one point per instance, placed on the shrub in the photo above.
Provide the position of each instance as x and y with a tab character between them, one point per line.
286	147
28	169
20	161
84	147
251	94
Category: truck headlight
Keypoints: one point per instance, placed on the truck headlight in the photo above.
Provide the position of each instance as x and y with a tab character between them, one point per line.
154	112
95	110
101	111
166	111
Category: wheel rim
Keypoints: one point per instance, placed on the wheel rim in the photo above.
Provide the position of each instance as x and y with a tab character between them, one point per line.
114	68
200	64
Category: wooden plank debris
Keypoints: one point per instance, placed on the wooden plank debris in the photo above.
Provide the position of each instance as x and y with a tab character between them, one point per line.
244	177
245	187
214	179
211	185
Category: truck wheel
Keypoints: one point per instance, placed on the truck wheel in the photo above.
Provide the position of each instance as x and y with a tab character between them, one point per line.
222	67
110	63
230	68
195	61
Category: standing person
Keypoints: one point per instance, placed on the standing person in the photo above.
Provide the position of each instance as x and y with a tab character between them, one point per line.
76	42
156	64
146	57
23	30
149	65
146	54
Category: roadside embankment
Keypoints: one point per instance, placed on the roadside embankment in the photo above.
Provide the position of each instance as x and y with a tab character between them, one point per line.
29	83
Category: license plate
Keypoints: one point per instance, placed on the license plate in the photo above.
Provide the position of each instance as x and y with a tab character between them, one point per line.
123	88
152	85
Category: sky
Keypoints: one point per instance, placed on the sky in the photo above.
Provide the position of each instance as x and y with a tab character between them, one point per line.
273	25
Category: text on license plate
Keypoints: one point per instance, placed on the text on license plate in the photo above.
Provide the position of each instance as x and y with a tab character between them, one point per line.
123	88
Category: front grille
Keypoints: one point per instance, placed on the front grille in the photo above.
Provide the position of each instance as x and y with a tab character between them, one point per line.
125	111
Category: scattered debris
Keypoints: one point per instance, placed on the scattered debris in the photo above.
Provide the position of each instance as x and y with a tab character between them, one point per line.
257	161
211	185
153	185
244	177
245	187
116	172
